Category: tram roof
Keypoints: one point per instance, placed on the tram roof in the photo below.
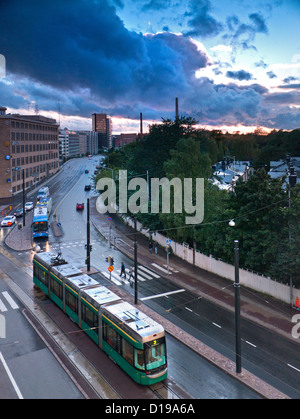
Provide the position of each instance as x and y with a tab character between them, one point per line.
135	319
102	295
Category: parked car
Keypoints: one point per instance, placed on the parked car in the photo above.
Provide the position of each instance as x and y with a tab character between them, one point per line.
8	221
87	187
86	171
80	206
18	213
29	206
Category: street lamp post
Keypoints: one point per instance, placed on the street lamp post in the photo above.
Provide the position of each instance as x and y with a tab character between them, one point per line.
23	184
135	265
88	247
237	309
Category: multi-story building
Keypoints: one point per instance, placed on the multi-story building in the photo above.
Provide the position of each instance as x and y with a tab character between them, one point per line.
29	144
102	124
77	143
124	139
91	141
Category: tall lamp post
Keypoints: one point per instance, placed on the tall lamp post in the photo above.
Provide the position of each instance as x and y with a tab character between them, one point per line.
238	346
237	309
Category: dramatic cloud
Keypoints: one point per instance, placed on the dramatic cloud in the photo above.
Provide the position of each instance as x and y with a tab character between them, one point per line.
243	34
79	56
201	22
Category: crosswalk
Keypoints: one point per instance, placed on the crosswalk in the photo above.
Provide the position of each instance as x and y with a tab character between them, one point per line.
7	302
144	274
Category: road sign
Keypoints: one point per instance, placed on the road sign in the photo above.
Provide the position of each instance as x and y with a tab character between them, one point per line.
168	241
109	218
110	268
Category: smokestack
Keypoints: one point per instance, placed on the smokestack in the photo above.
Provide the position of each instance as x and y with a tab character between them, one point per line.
141	124
176	108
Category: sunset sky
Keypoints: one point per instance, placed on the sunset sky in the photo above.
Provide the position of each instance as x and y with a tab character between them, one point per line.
232	64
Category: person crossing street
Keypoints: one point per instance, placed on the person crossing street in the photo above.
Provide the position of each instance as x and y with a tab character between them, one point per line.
123	270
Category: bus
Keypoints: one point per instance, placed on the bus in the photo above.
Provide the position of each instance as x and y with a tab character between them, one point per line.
40	222
45	202
131	338
43	192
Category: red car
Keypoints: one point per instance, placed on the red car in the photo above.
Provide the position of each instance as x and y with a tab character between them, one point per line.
80	206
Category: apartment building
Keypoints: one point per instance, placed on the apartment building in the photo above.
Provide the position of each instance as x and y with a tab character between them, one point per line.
29	144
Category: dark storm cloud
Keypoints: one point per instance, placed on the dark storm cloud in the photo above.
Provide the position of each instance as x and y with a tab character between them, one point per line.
201	22
239	75
87	46
79	54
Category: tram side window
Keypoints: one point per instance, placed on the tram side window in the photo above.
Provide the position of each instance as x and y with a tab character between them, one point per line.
112	338
89	317
56	288
40	274
139	360
71	302
127	351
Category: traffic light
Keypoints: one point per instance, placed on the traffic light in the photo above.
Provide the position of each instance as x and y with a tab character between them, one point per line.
110	260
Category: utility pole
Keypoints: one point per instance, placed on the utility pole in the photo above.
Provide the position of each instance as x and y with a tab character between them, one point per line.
237	309
135	265
23	179
291	184
88	249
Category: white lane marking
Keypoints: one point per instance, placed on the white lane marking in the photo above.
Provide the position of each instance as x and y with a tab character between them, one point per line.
12	380
251	344
217	325
188	309
162	295
293	367
10	300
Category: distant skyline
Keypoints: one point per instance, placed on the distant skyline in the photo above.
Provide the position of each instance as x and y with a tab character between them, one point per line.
233	65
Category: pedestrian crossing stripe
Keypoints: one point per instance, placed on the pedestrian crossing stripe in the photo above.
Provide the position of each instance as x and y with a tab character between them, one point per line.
148	270
9	300
142	276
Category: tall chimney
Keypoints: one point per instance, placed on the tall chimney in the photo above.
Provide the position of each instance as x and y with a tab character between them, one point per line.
141	124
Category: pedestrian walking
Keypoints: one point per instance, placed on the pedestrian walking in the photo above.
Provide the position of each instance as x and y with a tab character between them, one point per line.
150	247
156	248
131	277
123	270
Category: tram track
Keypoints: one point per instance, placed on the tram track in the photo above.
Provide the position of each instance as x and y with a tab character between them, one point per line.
163	391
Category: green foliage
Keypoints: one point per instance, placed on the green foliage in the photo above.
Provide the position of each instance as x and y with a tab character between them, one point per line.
267	229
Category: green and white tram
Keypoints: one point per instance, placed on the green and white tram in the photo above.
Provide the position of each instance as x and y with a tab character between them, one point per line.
132	339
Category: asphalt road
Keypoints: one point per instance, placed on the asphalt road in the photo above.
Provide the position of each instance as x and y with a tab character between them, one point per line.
264	353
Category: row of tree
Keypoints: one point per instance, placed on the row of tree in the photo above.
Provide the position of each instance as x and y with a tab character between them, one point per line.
266	220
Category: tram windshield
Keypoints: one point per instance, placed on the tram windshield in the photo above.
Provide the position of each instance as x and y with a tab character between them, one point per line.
155	354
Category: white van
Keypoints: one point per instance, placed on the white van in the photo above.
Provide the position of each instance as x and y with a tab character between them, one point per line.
43	192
